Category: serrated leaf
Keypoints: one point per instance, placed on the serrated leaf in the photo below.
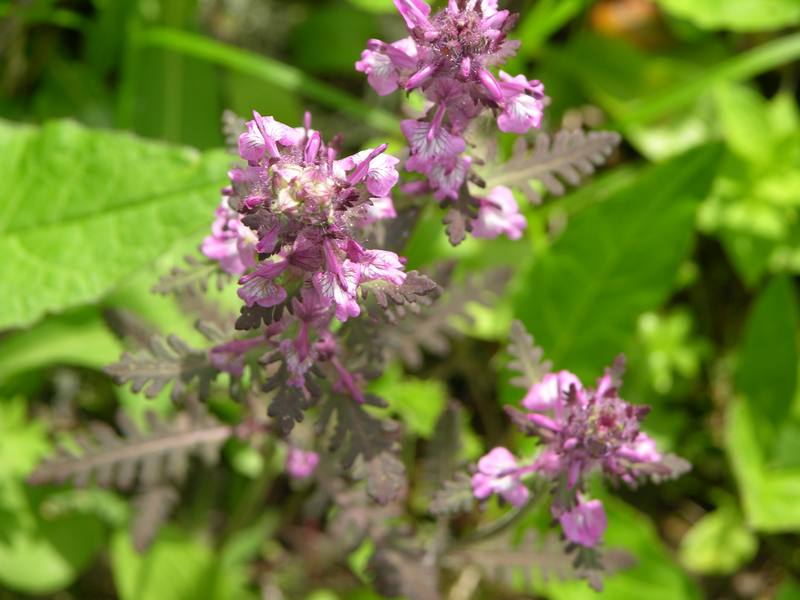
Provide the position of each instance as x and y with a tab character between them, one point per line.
402	572
164	363
83	209
357	435
565	159
432	328
527	358
152	508
150	457
615	260
454	497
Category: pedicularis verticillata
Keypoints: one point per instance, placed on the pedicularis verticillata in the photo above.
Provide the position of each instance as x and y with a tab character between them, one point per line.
322	310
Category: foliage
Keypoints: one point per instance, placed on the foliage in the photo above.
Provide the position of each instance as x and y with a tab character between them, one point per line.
663	223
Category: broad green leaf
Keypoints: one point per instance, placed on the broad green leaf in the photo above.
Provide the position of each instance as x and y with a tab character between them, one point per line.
23	443
84	209
737	15
768	359
78	338
616	260
745	122
418	401
770	495
719	543
176	566
41	555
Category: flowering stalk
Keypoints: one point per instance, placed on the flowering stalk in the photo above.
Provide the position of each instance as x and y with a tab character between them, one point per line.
582	430
289	225
449	57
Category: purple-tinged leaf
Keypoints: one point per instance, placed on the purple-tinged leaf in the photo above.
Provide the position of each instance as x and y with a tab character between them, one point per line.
152	508
571	157
150	457
194	277
526	358
163	363
455	497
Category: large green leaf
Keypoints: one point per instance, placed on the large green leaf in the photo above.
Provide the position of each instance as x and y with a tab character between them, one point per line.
84	209
760	430
176	566
770	496
719	543
616	260
768	359
738	15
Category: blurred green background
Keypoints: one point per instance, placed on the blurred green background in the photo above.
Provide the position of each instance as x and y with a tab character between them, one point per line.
684	254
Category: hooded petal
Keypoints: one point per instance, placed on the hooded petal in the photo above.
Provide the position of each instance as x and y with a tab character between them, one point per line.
585	523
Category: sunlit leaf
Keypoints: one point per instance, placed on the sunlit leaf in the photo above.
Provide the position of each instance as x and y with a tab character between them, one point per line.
84	209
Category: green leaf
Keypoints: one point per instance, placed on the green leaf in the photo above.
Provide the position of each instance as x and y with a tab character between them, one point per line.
719	543
616	260
768	359
419	402
737	15
770	496
22	443
376	6
78	338
176	566
745	122
40	555
84	209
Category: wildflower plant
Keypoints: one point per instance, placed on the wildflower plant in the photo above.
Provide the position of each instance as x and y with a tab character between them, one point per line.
322	309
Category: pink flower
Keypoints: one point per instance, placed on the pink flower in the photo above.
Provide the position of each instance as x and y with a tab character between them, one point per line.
259	286
642	450
339	283
382	264
497	474
301	464
263	134
550	391
523	104
499	214
381	175
231	243
430	144
379	209
385	64
585	524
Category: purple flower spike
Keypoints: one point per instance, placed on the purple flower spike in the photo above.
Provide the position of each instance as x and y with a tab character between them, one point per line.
585	524
448	58
499	215
497	474
301	464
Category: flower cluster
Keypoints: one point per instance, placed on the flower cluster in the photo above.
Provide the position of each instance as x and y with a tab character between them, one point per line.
581	430
448	57
289	224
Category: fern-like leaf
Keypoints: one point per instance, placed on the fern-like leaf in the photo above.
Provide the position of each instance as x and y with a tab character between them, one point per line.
195	276
358	435
459	216
152	509
455	497
115	460
565	159
526	358
432	329
163	363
